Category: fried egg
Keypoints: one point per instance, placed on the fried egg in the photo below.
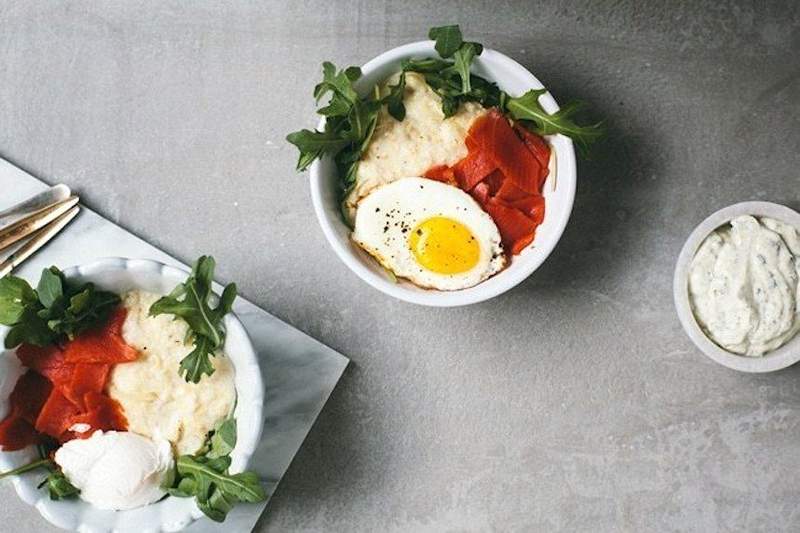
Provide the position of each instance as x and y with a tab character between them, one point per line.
433	234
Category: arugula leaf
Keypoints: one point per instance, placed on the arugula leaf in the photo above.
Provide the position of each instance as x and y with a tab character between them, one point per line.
15	296
78	309
190	302
58	486
394	100
527	109
444	77
198	362
453	81
350	121
205	476
424	65
57	309
340	82
463	61
217	507
51	286
40	463
448	39
223	440
30	329
312	144
361	121
343	95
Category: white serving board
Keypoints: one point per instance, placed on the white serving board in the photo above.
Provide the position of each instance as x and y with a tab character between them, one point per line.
299	373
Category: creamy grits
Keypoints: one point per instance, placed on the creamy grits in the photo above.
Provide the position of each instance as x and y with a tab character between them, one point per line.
424	139
743	285
157	401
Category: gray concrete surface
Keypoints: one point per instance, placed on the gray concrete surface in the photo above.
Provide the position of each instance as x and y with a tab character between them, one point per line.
574	402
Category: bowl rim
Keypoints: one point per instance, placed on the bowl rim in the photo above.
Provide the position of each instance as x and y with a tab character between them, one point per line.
179	513
505	280
777	359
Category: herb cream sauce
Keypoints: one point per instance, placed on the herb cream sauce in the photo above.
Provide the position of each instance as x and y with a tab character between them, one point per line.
743	285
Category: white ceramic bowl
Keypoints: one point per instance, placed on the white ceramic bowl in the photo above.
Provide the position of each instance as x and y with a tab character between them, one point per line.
786	355
170	514
559	189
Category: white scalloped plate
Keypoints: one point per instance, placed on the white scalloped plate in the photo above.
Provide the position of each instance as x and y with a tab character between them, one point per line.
170	514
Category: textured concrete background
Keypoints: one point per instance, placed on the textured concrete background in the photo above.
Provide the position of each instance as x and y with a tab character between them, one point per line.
574	402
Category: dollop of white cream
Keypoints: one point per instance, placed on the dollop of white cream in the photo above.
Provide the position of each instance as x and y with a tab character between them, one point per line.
744	285
117	470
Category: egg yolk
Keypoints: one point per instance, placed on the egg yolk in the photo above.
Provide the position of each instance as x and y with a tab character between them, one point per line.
444	246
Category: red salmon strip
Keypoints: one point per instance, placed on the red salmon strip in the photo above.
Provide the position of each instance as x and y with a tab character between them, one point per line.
64	387
504	171
104	345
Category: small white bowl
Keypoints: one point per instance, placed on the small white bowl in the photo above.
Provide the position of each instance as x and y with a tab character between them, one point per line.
515	80
786	355
170	514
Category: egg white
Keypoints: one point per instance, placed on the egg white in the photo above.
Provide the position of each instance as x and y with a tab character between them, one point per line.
386	217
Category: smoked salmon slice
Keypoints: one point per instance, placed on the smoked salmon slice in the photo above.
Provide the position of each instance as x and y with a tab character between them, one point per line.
441	173
17	433
493	135
66	386
516	229
56	416
29	396
103	413
495	180
538	147
88	377
102	345
532	206
504	171
508	192
472	169
49	361
481	193
513	157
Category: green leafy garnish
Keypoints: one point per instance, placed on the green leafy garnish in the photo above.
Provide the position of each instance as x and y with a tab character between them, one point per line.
340	85
394	100
35	465
448	39
190	302
223	440
314	144
350	119
463	61
58	486
349	123
55	310
15	296
454	83
527	108
205	476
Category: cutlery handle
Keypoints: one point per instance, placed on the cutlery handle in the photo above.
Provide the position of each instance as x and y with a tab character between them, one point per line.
43	200
38	240
28	225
